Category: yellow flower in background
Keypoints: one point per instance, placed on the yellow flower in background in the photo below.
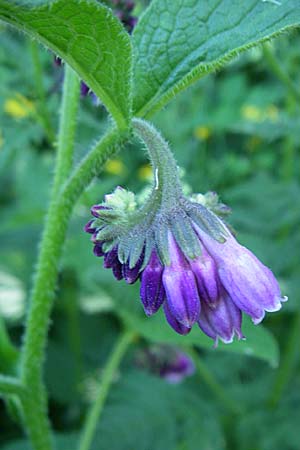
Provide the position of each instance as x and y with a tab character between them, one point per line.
114	167
145	172
255	114
252	113
19	107
202	133
272	113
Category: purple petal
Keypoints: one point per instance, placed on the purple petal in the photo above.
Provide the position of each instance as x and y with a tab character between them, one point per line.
179	367
117	270
251	285
89	228
173	322
221	320
205	271
111	261
84	89
131	275
96	208
98	250
181	287
110	258
152	291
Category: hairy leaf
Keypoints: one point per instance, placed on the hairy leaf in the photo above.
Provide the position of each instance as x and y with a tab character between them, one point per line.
178	41
87	36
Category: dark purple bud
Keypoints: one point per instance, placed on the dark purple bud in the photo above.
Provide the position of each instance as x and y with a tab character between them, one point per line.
89	228
120	15
221	320
131	23
131	275
111	258
173	322
181	287
96	209
205	271
98	250
111	261
94	238
57	61
84	89
152	291
250	284
180	367
118	270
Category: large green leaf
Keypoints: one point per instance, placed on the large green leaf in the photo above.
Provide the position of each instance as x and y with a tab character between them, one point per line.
178	41
259	341
88	37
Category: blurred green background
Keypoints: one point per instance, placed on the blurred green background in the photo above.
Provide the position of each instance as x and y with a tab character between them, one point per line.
237	133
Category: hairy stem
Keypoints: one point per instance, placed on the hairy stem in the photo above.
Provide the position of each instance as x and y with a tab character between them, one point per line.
42	296
43	112
107	378
67	128
167	182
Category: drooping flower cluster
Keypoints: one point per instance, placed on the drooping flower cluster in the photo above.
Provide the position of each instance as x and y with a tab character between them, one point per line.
185	256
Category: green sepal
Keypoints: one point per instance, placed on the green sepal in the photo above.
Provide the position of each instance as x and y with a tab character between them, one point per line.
136	250
149	247
108	245
107	233
185	236
124	249
161	238
107	215
208	222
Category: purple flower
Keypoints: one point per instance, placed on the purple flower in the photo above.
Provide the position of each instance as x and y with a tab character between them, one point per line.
187	261
167	362
181	367
180	284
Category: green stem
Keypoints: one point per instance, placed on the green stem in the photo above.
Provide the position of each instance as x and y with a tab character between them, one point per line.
8	352
107	379
287	365
279	72
69	299
164	165
67	127
44	115
219	392
93	163
10	385
60	209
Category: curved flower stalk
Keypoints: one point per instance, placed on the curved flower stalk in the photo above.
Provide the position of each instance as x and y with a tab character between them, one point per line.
182	251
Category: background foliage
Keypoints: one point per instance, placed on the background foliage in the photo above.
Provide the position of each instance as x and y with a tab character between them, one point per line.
235	132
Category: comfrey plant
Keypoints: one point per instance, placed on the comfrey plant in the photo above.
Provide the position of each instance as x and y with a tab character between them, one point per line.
182	251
